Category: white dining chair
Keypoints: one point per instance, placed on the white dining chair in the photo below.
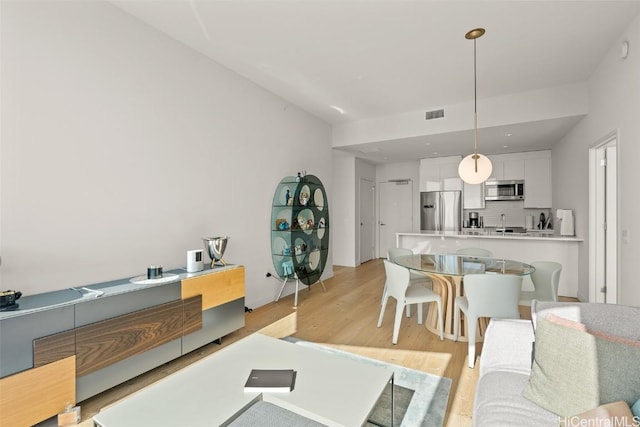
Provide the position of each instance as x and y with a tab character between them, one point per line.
399	287
486	295
393	253
474	252
545	282
416	278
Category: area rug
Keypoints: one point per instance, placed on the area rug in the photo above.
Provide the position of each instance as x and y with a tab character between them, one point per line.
381	414
424	407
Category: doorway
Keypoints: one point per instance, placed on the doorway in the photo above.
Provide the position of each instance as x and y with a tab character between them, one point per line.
367	219
395	212
603	222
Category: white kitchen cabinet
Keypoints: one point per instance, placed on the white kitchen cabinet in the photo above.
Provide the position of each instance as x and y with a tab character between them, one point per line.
440	173
449	168
429	175
513	169
537	183
473	196
496	168
505	167
452	184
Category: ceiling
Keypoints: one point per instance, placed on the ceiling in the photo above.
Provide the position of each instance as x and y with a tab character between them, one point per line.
348	60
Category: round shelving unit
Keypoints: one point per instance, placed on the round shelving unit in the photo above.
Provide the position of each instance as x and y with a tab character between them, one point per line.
300	230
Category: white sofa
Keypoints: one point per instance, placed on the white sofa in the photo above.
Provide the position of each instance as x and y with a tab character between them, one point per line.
506	359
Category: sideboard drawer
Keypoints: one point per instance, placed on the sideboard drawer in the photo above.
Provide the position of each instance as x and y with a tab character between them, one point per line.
34	395
216	288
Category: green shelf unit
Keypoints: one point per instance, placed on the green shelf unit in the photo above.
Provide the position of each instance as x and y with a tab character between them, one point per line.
300	229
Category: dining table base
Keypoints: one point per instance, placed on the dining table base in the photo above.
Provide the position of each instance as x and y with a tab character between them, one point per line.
450	287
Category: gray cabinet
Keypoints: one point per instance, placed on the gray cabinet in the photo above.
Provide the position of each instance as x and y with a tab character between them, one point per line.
113	307
95	310
123	333
17	334
216	323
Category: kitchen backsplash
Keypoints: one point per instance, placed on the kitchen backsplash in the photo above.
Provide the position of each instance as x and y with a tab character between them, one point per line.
514	211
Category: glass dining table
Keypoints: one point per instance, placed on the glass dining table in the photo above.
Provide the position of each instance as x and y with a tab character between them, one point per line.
446	271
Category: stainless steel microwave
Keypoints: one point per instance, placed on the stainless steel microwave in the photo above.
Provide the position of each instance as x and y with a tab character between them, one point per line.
504	190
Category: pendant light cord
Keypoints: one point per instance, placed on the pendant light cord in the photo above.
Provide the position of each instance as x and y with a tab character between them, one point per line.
475	107
475	168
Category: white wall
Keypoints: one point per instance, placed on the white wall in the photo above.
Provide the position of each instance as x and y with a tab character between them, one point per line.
121	148
343	234
614	104
347	172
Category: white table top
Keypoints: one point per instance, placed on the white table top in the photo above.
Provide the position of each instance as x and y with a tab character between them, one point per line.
330	389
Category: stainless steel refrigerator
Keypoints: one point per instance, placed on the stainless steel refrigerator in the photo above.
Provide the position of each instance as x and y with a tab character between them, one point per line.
441	210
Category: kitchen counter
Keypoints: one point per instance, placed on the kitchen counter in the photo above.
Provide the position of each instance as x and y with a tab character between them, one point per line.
48	300
492	234
526	247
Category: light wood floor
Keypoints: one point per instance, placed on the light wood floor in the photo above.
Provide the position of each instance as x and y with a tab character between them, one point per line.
344	316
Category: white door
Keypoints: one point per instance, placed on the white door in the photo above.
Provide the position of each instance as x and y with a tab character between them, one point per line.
396	212
367	219
604	228
611	234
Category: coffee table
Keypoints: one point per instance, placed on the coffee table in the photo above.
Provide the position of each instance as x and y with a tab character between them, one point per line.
329	389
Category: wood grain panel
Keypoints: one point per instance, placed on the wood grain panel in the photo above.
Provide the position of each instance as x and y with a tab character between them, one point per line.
104	343
216	288
32	396
54	347
192	315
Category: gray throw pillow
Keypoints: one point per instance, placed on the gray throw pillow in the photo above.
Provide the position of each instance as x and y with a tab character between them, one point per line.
574	371
564	372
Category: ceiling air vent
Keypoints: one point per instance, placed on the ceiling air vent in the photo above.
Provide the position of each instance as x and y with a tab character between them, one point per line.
435	114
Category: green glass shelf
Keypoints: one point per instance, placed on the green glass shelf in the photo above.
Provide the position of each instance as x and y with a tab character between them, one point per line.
303	201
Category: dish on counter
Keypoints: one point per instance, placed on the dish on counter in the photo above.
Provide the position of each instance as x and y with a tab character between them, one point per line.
143	280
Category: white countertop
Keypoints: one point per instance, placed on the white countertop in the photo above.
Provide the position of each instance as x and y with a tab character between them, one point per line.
481	234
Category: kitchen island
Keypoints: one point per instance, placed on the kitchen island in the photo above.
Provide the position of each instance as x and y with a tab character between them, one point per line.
525	247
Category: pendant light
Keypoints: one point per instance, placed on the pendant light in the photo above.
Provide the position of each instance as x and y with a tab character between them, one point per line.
475	168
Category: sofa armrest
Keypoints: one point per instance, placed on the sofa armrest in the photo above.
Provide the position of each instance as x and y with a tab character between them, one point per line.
507	346
612	319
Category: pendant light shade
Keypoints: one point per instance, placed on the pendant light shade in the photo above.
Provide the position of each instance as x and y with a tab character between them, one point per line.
468	172
475	168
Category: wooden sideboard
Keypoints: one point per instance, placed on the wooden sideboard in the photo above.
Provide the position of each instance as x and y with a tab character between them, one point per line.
70	353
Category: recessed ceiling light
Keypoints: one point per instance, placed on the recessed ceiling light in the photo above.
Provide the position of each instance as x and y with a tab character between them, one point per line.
435	152
427	144
505	146
509	134
338	109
